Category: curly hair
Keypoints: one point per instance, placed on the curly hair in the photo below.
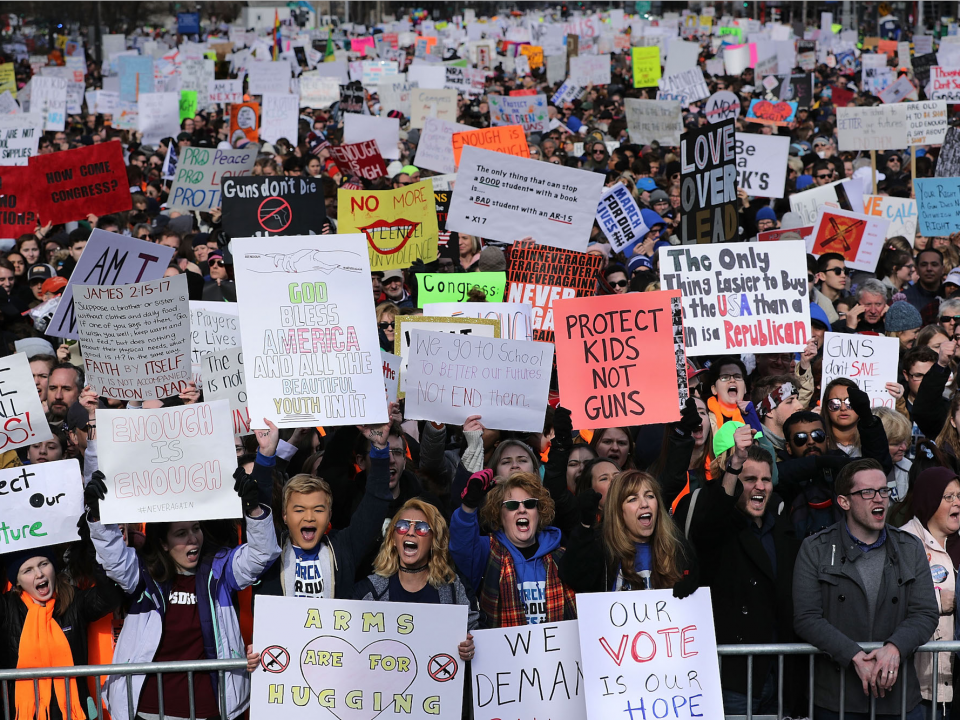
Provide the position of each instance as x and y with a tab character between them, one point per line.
490	512
441	572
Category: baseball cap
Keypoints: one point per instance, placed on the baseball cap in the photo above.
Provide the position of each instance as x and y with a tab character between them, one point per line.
953	277
647	184
53	285
40	272
390	274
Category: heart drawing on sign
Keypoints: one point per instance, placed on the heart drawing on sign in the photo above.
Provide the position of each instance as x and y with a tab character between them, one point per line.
776	112
363	682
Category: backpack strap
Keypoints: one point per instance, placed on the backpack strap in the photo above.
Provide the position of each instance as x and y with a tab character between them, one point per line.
693	503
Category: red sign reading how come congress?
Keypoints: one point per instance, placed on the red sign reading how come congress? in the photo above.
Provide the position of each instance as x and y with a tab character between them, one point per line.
71	184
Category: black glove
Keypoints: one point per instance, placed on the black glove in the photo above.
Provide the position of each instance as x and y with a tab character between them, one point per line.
690	419
686	586
588	503
93	493
860	403
246	487
562	428
477	488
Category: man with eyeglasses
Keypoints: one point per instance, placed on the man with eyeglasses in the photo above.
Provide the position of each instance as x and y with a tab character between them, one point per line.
928	290
862	580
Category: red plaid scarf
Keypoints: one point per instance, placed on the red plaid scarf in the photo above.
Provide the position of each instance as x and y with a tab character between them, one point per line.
500	596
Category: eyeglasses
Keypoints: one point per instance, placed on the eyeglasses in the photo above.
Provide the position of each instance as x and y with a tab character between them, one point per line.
529	504
403	527
215	262
916	376
397	452
949	318
835	404
839	271
800	438
951	497
728	377
387	326
870	493
619	283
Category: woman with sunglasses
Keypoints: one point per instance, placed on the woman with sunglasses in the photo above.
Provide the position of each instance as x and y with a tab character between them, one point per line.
386	323
849	424
513	570
414	565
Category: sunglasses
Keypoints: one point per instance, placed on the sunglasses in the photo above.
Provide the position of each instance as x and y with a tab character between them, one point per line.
419	527
817	436
619	283
529	504
835	404
821	176
839	271
386	326
949	318
215	262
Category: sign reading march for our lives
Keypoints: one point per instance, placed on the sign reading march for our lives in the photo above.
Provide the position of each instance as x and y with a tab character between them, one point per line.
760	163
223	373
450	377
502	197
71	184
528	671
311	353
358	660
869	360
620	358
168	464
24	422
938	205
619	217
108	259
41	505
135	338
647	654
456	287
740	298
197	184
708	185
268	206
399	225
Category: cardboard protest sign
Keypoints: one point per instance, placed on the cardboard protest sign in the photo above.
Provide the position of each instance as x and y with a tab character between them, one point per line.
882	127
938	205
427	102
662	652
279	115
71	184
353	99
858	237
42	503
188	104
539	275
646	66
168	464
224	380
945	83
391	375
24	422
108	259
530	112
362	659
761	160
687	87
742	298
898	90
19	137
18	201
708	185
362	159
318	92
515	320
385	130
48	98
455	287
567	92
268	77
245	122
900	213
136	338
394	96
528	671
465	326
771	113
214	326
8	79
620	358
224	92
926	122
435	149
310	347
590	70
869	360
520	197
466	81
509	139
200	172
619	217
268	206
158	116
807	204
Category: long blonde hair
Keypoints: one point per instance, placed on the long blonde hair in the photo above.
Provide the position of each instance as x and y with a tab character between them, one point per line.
620	544
440	565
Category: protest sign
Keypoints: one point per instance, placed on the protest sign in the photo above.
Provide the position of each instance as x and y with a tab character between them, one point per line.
460	326
858	237
48	98
200	172
926	122
224	380
168	464
938	205
708	185
449	377
385	130
646	66
900	213
779	113
268	77
24	422
42	505
9	106
375	72
619	217
395	96
108	259
882	127
400	225
534	54
807	204
19	137
362	159
8	79
869	360
158	116
188	104
777	235
509	139
435	149
353	99
528	111
515	320
687	86
945	83
722	105
214	326
948	161
528	671
741	298
898	90
539	275
268	206
620	359
567	92
18	201
224	92
71	184
456	287
661	651
279	114
649	120
590	70
318	92
391	375
196	74
310	348
761	160
135	338
362	659
466	81
244	122
427	102
556	205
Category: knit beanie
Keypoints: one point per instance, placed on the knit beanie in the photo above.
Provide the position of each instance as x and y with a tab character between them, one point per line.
902	316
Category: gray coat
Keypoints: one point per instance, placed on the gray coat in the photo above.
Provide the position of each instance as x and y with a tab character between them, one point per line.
830	611
377	587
